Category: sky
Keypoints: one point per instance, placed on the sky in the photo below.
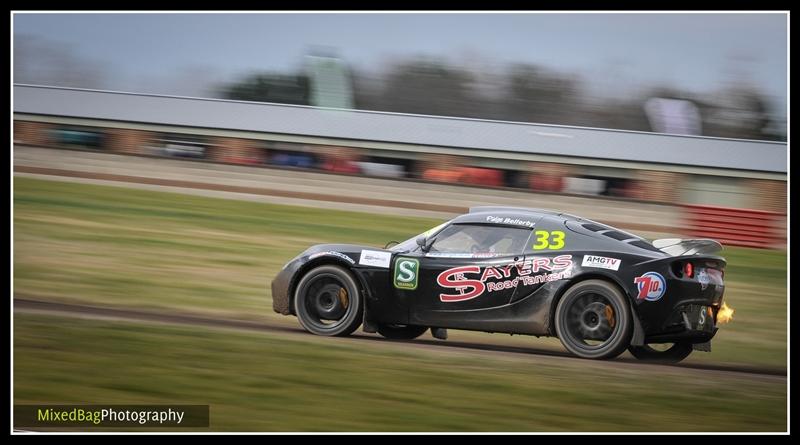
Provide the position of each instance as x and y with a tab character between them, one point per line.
696	52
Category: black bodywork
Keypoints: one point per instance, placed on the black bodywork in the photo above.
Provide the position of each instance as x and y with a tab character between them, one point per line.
519	292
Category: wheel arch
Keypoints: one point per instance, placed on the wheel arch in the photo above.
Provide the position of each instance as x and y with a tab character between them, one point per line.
610	278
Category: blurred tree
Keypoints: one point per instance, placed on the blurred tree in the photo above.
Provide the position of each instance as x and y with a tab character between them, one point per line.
622	113
740	111
523	93
40	61
428	86
534	94
366	90
270	87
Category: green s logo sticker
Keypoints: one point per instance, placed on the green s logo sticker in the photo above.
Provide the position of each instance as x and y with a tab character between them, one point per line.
406	273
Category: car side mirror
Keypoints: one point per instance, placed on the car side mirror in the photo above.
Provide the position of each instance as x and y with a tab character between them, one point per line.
422	242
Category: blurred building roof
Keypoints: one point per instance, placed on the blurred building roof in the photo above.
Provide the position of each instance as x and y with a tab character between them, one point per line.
474	134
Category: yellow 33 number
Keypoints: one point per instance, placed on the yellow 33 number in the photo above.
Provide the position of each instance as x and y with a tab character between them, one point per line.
549	240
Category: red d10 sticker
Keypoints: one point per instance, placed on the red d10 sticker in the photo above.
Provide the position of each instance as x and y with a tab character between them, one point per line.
651	286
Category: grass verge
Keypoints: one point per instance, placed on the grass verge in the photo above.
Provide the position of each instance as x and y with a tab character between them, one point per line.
265	382
116	246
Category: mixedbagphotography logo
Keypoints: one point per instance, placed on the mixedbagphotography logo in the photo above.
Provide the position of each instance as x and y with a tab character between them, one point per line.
137	416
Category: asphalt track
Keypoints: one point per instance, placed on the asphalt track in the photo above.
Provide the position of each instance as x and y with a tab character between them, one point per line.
25	304
180	176
326	190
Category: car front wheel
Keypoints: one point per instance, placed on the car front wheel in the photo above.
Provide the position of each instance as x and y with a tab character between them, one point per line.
327	301
593	320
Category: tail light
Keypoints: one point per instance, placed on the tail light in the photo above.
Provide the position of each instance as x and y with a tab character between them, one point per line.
684	269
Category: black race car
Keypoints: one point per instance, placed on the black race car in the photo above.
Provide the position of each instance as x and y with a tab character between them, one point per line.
600	290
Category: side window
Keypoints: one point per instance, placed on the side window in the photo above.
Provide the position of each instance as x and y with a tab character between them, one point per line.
485	239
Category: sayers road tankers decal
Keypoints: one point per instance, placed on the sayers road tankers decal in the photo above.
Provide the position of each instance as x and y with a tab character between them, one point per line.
375	258
493	278
651	286
601	262
332	253
406	273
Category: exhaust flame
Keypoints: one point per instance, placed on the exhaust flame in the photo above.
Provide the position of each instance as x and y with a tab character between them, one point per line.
725	314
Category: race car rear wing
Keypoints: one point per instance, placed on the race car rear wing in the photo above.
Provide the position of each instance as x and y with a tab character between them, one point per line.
678	247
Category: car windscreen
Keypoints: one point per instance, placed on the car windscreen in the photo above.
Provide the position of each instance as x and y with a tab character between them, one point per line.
410	244
480	239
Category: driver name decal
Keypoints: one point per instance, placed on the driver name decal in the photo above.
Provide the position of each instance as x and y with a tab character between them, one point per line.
510	221
470	282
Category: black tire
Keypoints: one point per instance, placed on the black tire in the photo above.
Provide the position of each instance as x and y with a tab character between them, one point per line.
327	301
597	311
673	354
401	331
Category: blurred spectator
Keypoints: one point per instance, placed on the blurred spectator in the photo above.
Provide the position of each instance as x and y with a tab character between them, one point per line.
584	186
341	160
382	169
547	177
441	168
186	146
442	175
481	176
251	156
237	150
634	190
79	137
544	182
293	159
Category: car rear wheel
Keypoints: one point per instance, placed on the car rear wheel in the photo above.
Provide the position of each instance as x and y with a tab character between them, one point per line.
593	320
327	301
401	331
662	352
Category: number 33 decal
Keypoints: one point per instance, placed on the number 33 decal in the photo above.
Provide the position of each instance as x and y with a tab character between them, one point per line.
549	240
